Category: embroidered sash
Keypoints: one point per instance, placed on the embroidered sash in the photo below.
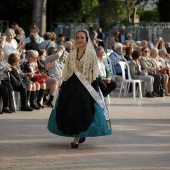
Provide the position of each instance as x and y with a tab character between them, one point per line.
95	95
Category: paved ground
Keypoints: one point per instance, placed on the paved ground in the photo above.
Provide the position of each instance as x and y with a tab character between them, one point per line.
140	140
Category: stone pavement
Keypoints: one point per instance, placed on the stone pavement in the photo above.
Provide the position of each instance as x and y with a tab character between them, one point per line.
140	140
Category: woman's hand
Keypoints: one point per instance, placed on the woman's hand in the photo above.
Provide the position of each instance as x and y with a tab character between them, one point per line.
44	75
8	69
30	75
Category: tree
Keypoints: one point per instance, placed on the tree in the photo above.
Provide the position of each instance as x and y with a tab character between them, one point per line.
132	7
39	14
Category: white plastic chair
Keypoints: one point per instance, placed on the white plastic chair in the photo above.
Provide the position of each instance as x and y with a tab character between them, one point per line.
116	78
108	52
126	82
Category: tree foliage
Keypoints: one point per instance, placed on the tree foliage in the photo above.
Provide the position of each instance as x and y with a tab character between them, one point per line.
149	16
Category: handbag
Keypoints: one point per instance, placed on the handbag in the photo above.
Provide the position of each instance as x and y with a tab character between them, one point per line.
39	79
15	81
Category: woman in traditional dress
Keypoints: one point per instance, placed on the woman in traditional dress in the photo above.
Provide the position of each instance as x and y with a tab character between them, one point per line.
80	111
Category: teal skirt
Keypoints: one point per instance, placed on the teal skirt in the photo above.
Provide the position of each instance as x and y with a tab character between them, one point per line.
76	114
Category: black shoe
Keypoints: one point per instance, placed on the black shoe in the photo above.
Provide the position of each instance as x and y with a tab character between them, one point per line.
82	140
149	94
155	94
49	104
74	145
1	112
26	108
39	104
35	106
161	95
12	110
5	110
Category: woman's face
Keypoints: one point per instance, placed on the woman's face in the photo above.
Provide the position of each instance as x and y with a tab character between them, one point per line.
32	59
81	39
154	54
146	52
9	37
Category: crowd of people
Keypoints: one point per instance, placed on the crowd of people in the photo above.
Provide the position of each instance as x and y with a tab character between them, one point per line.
32	66
148	61
37	62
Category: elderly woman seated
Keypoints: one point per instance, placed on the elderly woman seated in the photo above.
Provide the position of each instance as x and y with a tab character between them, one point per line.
38	78
138	73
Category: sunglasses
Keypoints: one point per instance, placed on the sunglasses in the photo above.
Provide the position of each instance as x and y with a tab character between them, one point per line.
146	51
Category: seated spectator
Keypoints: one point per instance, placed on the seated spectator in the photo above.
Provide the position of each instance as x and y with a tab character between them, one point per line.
160	69
147	64
10	45
47	43
50	82
8	101
164	58
4	94
32	45
128	53
38	78
20	82
52	55
117	56
138	73
106	84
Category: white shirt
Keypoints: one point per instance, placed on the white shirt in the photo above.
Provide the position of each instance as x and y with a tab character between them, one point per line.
10	48
163	62
102	70
38	40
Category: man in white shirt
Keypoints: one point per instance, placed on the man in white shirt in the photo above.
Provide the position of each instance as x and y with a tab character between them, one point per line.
164	58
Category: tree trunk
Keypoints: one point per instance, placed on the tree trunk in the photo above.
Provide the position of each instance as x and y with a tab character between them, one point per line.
134	14
39	15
